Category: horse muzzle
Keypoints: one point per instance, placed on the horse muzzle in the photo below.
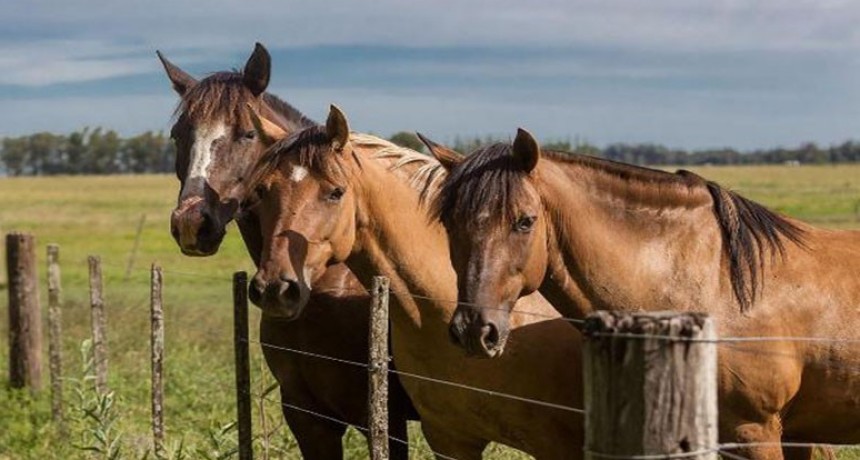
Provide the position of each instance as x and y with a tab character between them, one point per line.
196	229
283	298
479	337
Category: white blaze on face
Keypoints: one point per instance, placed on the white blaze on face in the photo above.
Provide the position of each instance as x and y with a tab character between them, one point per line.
298	174
201	154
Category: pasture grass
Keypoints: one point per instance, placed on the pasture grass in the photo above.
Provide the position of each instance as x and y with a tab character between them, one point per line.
99	215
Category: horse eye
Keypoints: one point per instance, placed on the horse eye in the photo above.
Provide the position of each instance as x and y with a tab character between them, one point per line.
260	190
524	224
336	194
249	135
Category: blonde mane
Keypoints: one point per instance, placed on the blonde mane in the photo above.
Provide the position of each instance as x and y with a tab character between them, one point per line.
422	172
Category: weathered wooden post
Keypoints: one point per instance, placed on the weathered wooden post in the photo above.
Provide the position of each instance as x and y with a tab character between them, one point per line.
157	341
25	315
99	323
378	370
243	367
650	385
55	330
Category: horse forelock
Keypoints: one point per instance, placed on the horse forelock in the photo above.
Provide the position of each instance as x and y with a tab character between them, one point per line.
489	182
223	96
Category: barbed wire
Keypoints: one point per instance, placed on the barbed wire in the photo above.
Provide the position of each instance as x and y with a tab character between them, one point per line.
462	386
733	342
344	423
727	339
721	448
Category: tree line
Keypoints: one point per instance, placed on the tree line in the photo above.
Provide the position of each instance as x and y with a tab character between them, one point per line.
659	155
100	151
89	151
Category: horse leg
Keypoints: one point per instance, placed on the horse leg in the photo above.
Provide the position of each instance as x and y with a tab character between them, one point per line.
398	443
446	445
318	438
797	453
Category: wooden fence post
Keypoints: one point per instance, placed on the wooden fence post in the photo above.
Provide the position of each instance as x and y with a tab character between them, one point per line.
243	368
650	385
99	324
157	341
378	370
55	331
25	315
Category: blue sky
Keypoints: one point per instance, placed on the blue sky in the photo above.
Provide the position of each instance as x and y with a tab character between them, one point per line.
684	73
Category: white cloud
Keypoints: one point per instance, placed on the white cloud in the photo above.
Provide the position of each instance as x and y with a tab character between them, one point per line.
661	24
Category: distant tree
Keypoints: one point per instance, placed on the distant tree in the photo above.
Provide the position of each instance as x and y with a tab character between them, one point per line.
563	146
46	156
103	152
76	151
408	140
16	153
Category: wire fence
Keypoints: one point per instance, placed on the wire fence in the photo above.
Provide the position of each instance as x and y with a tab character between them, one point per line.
753	344
734	343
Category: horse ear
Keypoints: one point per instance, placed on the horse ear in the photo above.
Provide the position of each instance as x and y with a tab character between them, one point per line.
258	69
268	132
337	127
449	158
179	78
526	150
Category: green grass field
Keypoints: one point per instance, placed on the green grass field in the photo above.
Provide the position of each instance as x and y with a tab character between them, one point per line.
99	215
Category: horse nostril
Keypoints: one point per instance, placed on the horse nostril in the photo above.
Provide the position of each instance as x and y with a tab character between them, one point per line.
256	290
489	337
455	334
290	290
207	225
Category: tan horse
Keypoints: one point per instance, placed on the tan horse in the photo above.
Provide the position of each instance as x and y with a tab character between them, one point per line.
216	146
592	234
326	195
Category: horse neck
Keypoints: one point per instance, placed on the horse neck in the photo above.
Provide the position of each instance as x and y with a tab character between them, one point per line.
284	115
396	238
616	243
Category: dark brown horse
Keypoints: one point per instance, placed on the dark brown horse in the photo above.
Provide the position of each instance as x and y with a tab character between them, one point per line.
325	196
216	146
592	234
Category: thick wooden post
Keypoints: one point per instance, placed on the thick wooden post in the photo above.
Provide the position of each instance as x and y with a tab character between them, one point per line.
55	331
243	368
25	316
378	370
650	385
157	341
99	323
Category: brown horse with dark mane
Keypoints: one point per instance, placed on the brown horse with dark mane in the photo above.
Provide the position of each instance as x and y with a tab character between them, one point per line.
593	234
216	146
327	195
